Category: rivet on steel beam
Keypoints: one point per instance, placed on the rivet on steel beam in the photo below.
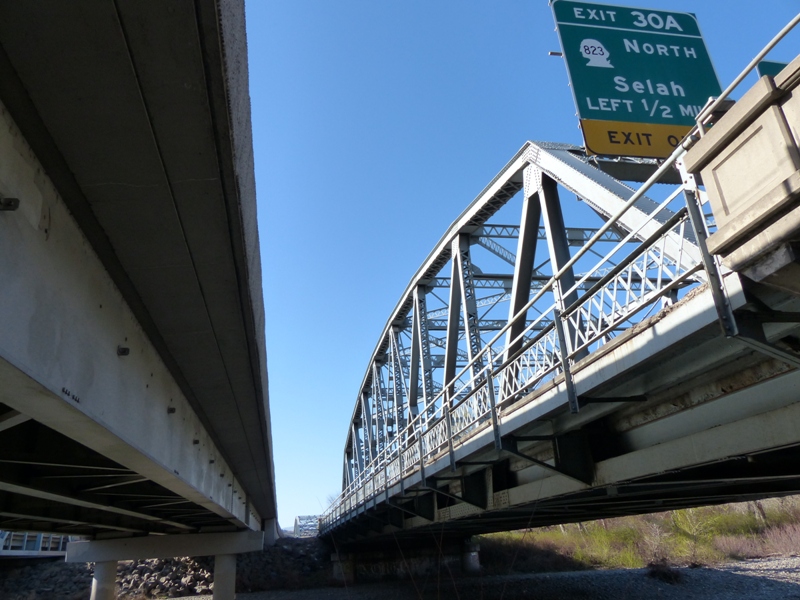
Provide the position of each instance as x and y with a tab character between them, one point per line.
9	204
123	351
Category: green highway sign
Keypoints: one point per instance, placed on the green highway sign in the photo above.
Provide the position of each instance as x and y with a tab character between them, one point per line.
639	76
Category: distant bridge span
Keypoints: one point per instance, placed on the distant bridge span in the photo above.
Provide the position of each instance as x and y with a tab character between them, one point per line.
622	370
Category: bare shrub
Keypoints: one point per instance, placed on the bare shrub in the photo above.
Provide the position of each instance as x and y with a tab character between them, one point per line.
783	540
739	546
663	571
654	542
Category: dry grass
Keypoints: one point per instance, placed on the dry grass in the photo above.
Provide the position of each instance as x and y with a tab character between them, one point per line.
693	537
784	539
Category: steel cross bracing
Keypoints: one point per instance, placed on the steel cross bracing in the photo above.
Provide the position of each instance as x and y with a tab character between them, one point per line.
414	405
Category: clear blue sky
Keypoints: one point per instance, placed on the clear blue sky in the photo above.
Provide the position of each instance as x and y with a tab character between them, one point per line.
375	124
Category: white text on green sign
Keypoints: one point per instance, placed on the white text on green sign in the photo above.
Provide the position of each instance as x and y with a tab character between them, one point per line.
634	64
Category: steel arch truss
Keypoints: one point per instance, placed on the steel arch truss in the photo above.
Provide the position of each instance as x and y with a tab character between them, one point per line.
499	308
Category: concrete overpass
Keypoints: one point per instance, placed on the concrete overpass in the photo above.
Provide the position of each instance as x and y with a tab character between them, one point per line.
133	380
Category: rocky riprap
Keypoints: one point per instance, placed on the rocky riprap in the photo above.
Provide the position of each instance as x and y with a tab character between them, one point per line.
290	564
40	579
173	578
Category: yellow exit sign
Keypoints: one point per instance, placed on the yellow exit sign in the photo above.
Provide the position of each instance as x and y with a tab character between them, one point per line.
632	139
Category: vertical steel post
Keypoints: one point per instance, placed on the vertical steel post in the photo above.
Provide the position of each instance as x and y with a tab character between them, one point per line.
398	380
526	255
422	346
449	430
453	320
727	320
378	398
469	308
558	245
366	413
493	404
358	452
574	406
557	241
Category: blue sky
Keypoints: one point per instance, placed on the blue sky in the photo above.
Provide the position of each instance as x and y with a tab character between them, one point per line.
375	124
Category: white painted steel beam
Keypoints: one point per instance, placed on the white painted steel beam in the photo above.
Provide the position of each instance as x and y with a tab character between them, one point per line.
469	308
423	347
526	255
607	195
453	318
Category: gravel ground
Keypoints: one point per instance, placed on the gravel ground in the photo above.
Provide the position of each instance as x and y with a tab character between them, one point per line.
762	579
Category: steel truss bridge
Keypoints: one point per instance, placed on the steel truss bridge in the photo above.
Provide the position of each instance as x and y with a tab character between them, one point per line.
538	370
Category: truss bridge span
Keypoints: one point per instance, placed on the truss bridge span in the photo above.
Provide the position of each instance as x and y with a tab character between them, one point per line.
570	350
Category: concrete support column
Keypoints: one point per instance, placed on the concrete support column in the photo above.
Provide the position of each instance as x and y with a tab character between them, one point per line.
470	557
224	576
104	580
344	568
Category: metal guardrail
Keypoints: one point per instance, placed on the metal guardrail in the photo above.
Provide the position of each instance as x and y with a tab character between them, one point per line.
478	398
31	544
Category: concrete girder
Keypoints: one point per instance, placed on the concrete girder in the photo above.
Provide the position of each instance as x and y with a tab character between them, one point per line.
110	98
64	322
197	544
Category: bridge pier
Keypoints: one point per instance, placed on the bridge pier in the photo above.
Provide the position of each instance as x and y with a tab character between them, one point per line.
103	582
470	557
365	564
223	546
344	568
224	576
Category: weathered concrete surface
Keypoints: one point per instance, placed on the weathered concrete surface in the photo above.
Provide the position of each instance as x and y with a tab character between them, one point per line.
139	116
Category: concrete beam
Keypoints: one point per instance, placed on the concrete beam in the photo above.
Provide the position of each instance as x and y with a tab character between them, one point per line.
63	323
71	501
176	231
11	419
165	546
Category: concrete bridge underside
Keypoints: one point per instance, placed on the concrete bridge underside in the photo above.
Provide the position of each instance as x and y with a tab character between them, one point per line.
133	383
